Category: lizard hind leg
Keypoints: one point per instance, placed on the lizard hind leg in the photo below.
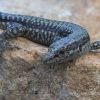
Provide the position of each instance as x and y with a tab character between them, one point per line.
95	45
12	30
3	46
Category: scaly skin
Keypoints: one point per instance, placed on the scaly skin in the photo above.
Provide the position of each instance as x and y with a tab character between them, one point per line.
66	41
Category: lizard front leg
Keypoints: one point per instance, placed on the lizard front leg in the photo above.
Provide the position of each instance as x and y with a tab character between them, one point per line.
12	29
95	45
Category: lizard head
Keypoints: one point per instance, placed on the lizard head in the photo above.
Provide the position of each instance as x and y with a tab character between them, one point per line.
65	50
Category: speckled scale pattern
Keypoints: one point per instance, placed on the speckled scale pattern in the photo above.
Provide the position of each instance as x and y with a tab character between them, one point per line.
45	30
39	30
66	41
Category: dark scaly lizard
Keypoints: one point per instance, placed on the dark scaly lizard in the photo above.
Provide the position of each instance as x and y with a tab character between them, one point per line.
66	41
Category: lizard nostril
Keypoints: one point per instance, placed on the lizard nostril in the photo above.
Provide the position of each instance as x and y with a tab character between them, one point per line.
44	59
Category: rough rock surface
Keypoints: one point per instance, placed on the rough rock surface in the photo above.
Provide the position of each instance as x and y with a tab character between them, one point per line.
22	74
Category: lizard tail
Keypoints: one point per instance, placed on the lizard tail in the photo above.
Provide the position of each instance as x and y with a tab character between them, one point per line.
95	45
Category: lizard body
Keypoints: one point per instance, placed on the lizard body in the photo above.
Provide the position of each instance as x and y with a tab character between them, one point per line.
66	41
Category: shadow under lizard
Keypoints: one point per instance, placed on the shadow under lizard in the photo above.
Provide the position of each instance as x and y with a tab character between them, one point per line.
67	41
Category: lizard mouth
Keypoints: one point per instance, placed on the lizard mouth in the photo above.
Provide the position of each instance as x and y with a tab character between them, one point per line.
53	58
50	59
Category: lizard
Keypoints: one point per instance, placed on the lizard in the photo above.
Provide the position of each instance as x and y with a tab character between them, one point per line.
67	41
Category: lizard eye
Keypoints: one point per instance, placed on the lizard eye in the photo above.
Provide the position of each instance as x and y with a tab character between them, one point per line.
61	52
56	56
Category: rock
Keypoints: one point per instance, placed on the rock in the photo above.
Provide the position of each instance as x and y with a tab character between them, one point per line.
83	77
24	76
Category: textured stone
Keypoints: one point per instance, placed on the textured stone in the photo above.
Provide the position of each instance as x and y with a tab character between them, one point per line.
83	80
22	74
